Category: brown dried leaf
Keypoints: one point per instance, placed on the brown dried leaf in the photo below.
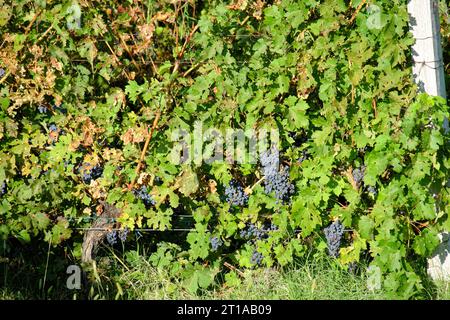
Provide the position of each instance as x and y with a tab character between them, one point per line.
160	16
146	31
140	134
127	137
238	5
96	190
74	145
143	178
212	186
56	64
113	155
89	130
134	135
258	6
36	51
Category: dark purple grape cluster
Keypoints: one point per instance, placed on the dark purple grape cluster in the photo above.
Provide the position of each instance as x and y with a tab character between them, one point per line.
270	162
53	128
358	174
276	177
280	184
42	108
253	232
143	194
60	108
3	188
2	72
353	267
372	190
235	194
216	242
111	237
333	234
256	258
303	157
90	172
123	234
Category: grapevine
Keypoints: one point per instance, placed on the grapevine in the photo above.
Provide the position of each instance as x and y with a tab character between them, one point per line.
92	95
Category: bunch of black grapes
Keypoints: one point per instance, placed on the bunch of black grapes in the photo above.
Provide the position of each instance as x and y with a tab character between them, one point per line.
235	195
358	177
113	235
253	232
143	194
276	177
256	258
89	172
333	234
3	188
216	243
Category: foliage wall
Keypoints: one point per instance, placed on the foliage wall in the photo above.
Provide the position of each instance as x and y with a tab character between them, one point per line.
85	82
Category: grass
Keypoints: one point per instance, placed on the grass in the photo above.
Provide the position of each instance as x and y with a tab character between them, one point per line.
300	282
314	278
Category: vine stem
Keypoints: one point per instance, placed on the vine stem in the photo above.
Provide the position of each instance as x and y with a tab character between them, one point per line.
349	176
46	266
158	114
144	150
183	48
5	76
45	33
358	9
233	268
28	28
374	106
249	189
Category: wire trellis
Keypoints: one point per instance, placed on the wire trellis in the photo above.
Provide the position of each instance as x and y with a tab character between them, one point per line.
436	64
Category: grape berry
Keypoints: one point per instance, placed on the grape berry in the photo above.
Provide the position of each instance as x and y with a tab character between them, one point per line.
123	234
358	176
303	157
372	190
113	235
42	108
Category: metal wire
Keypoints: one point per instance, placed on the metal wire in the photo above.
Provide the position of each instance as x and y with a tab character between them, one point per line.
426	64
109	219
171	230
429	37
135	230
